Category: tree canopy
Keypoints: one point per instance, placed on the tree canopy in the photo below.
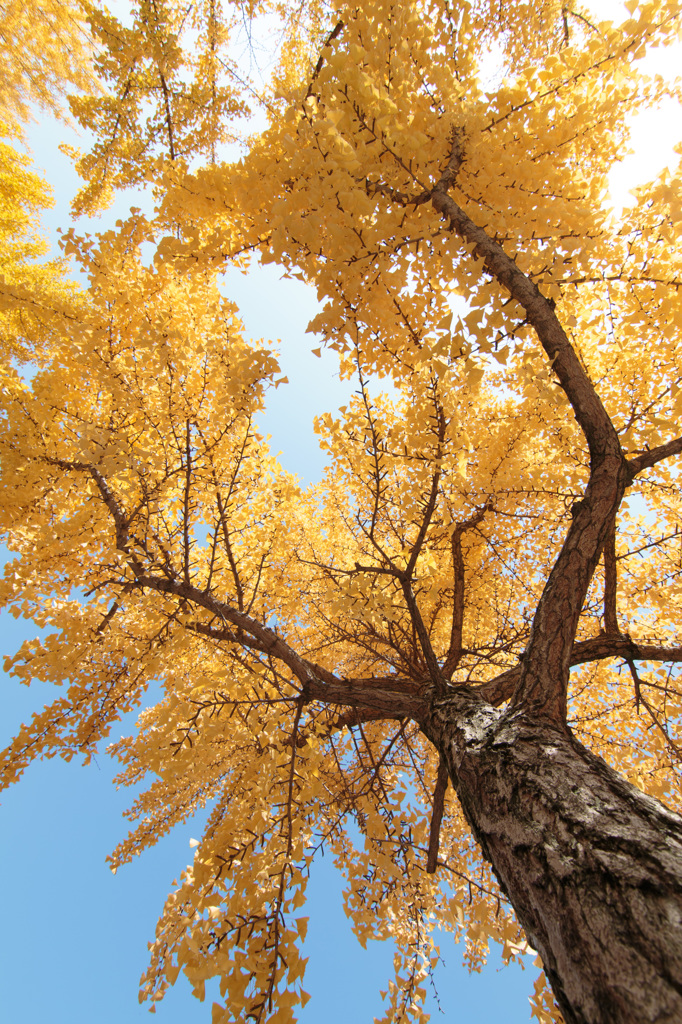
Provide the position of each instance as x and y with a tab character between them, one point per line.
496	540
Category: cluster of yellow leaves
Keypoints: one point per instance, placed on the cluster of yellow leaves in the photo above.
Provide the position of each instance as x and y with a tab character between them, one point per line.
232	915
331	184
164	431
376	492
543	1007
160	103
23	273
45	48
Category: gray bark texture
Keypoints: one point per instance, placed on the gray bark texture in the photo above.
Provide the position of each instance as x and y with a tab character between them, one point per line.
592	866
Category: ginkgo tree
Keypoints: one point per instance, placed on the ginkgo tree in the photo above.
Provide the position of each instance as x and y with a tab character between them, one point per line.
452	662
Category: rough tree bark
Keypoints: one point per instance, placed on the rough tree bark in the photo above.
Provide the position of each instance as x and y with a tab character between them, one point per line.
592	866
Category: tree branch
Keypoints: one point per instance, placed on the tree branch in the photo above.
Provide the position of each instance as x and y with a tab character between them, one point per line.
641	699
336	31
610	581
405	578
257	635
599	432
544	677
374	701
316	683
648	459
437	816
500	689
455	647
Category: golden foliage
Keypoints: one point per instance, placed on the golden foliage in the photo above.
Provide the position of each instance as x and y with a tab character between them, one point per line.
27	280
45	48
158	540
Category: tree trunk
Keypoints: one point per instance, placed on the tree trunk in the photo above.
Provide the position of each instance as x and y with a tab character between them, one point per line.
592	866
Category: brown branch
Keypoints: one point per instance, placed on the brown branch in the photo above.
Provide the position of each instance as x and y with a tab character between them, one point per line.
117	512
610	581
108	617
420	629
641	699
544	677
257	635
336	31
356	716
405	577
402	198
394	683
497	691
377	474
230	554
437	816
601	647
186	504
455	647
426	521
373	701
580	17
648	459
169	119
316	683
587	407
637	682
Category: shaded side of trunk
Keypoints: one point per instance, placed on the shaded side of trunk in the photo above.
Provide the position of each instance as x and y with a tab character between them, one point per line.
592	866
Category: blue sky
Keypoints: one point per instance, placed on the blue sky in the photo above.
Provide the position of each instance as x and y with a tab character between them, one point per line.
73	938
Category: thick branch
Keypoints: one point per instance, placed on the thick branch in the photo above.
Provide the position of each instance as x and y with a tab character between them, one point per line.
377	702
587	407
386	698
317	684
500	689
426	522
544	677
455	646
169	119
116	511
255	634
610	581
648	459
430	659
437	816
405	578
336	31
